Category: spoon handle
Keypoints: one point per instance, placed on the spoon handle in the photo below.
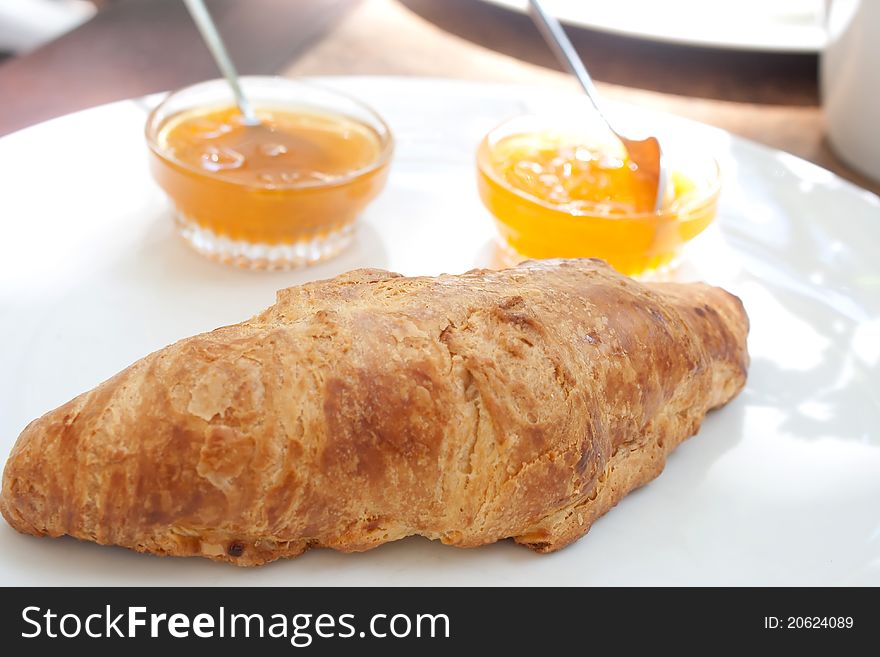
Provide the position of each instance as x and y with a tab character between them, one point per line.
646	153
556	38
215	44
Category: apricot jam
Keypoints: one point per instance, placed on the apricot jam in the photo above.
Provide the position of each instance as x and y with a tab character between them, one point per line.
282	193
561	194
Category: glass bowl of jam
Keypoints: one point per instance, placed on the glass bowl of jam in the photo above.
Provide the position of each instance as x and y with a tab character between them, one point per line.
562	188
282	194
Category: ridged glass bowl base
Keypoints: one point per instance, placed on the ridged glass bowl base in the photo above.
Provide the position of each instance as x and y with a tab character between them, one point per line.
251	255
663	269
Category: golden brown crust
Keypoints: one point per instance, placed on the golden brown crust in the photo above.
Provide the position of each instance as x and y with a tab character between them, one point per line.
523	403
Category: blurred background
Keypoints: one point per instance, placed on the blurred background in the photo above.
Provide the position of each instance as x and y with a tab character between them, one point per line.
748	66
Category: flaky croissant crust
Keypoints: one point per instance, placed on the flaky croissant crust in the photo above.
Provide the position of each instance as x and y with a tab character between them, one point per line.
355	411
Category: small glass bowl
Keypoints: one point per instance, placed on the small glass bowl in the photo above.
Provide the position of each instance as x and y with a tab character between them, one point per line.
634	244
266	226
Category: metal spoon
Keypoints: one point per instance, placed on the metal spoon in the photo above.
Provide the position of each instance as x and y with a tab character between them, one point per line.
215	44
646	153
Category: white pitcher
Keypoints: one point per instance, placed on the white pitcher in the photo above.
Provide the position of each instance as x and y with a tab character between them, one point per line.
850	83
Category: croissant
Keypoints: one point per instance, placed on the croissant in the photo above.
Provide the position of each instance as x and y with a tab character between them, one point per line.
522	403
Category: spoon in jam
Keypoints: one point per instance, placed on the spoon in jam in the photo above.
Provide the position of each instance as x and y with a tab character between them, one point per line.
215	44
646	153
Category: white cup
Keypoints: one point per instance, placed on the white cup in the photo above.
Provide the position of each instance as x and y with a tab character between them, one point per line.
850	83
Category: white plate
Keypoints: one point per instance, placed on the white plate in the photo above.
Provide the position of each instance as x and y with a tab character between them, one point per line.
779	487
763	25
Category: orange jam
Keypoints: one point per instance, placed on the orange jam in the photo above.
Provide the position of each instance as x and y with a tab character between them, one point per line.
297	176
556	194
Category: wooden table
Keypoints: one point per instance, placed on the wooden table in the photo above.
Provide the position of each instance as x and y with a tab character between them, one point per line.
140	46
